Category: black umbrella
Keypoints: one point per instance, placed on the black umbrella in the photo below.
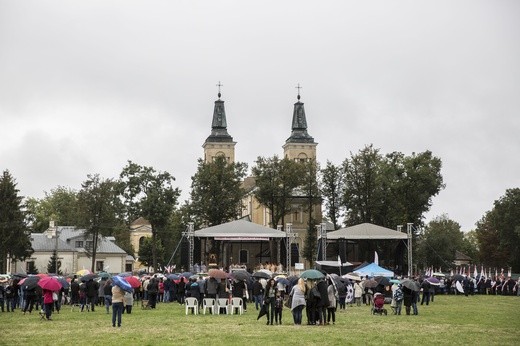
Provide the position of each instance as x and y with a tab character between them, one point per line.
88	277
261	275
240	275
30	283
410	284
370	283
381	280
263	311
293	279
457	277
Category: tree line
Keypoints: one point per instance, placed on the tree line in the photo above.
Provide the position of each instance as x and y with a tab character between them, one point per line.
368	186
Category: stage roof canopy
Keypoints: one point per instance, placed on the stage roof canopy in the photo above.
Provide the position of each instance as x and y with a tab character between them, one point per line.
366	231
239	230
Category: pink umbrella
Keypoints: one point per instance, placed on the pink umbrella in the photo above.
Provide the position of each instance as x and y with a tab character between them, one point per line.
50	283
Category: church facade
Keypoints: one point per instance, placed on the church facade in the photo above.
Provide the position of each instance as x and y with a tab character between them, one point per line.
299	146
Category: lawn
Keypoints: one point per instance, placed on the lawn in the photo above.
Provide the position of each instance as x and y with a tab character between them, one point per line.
453	320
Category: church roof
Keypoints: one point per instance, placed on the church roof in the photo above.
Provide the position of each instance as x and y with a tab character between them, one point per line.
239	230
366	231
219	124
299	125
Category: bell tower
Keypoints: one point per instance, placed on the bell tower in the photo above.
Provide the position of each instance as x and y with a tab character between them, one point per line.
300	146
219	142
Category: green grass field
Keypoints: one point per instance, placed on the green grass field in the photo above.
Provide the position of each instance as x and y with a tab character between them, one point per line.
450	320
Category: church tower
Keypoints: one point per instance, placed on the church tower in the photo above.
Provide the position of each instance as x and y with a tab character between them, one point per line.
300	146
219	142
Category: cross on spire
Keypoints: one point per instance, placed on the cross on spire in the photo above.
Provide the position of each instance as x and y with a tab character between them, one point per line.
298	87
219	85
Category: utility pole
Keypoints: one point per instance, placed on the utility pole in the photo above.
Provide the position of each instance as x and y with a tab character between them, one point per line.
410	262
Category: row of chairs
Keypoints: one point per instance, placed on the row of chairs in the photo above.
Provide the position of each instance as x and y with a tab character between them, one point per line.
215	305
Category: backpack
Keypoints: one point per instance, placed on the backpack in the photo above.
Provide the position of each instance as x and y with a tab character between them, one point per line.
398	295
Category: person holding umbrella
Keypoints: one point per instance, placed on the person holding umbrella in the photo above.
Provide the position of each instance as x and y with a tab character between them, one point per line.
48	303
117	305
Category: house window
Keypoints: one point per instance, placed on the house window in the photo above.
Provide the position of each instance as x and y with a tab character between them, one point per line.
79	243
100	266
243	257
30	267
88	245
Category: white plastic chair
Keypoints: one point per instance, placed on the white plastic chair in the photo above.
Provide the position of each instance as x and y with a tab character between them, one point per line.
222	303
237	303
209	303
192	303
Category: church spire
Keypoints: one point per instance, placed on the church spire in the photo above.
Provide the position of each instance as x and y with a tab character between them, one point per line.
299	123
219	142
219	124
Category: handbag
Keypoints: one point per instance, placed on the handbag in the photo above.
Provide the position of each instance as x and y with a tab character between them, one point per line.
54	296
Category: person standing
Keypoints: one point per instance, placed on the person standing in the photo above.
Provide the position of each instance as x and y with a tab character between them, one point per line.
331	309
425	286
358	293
107	294
278	307
74	292
153	290
258	291
128	302
323	302
407	299
30	298
269	299
298	301
92	292
48	303
398	299
117	305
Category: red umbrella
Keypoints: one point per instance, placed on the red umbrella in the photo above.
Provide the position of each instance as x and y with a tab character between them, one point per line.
133	281
217	274
50	283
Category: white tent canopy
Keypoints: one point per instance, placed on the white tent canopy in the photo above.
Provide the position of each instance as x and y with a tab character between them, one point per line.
366	231
239	230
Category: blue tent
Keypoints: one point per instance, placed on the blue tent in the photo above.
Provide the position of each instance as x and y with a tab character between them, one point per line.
374	270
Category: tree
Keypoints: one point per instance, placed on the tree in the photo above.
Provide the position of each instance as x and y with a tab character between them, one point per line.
437	245
216	191
149	194
98	207
15	238
60	205
146	251
332	186
498	232
276	181
54	264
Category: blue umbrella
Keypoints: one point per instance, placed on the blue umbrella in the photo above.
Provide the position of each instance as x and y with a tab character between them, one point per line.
187	275
283	281
122	283
173	276
125	274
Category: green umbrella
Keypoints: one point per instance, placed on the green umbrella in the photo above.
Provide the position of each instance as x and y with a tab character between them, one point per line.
312	274
104	275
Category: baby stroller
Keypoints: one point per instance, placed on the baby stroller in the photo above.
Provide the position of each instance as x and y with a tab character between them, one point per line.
379	305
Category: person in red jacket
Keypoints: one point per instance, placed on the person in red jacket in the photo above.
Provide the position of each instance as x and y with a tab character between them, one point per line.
48	303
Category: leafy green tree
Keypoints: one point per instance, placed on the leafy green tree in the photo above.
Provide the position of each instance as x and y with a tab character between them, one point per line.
276	181
146	251
216	191
60	205
498	232
54	265
98	208
15	237
332	186
149	194
310	194
437	245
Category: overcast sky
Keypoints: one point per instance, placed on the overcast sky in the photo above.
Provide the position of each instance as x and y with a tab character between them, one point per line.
87	85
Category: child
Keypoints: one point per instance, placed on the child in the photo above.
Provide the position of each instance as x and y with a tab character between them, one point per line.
128	301
278	307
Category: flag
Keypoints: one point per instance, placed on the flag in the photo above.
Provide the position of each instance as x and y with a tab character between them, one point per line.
339	261
475	272
376	258
509	272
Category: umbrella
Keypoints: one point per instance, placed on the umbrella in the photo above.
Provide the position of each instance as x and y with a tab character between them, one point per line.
83	272
50	283
267	271
395	281
88	277
187	275
261	275
293	279
125	274
381	280
218	274
133	281
337	283
458	285
263	311
350	294
173	276
29	282
352	276
240	275
433	281
121	283
457	277
63	282
410	284
283	281
104	275
312	274
370	283
20	275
